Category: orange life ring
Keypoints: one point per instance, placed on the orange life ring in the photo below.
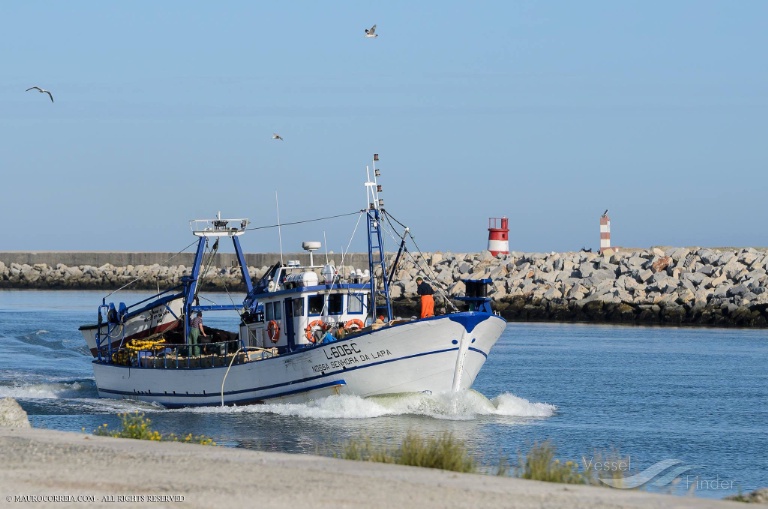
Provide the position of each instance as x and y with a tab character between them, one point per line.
273	331
356	323
308	332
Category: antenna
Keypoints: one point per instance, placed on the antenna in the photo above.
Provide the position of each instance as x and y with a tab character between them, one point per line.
325	241
279	230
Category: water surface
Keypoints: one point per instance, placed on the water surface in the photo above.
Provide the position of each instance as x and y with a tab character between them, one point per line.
649	393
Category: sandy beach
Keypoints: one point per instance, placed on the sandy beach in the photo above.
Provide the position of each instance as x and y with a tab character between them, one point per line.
43	468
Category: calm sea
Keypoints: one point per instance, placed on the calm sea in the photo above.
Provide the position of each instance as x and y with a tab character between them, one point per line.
695	398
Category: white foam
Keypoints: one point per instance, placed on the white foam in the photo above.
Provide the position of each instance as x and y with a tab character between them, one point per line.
118	406
40	391
465	405
332	407
513	406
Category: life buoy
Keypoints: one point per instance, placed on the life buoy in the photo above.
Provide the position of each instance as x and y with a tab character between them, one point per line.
273	331
354	324
309	331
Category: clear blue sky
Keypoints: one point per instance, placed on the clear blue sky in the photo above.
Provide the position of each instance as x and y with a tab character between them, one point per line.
546	112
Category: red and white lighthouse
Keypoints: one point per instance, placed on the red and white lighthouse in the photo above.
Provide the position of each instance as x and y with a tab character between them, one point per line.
605	231
498	235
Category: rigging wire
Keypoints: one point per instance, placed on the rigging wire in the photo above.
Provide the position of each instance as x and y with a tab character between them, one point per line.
303	221
228	294
425	267
390	216
395	237
391	230
207	266
247	229
279	229
129	283
351	238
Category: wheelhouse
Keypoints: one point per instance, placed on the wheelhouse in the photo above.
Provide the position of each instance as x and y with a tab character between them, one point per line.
293	307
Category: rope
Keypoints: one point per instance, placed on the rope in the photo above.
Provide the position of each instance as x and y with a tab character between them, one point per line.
227	373
121	327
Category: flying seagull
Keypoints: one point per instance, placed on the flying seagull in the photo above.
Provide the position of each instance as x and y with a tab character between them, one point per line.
276	136
41	90
371	32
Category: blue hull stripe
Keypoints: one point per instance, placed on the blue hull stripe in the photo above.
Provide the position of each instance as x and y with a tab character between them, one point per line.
248	401
279	394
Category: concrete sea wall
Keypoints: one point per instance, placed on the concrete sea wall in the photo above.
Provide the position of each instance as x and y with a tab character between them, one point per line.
676	286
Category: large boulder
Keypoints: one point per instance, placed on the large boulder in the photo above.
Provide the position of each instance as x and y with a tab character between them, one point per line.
12	415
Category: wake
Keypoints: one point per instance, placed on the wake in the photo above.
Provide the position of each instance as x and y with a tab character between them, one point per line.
462	406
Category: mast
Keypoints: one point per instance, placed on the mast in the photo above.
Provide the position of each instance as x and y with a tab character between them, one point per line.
191	282
375	243
205	229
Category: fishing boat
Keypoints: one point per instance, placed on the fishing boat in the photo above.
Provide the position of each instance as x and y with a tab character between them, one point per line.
155	315
304	332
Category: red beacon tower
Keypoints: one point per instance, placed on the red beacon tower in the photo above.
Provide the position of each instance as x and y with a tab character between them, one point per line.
498	235
605	232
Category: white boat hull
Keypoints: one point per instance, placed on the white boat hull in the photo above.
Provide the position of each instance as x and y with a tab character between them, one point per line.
151	321
439	354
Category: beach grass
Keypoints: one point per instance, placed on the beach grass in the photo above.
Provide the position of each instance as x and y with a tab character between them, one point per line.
444	452
540	464
136	426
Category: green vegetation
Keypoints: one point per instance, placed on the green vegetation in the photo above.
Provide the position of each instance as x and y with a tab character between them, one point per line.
444	452
759	496
739	498
136	426
448	453
540	464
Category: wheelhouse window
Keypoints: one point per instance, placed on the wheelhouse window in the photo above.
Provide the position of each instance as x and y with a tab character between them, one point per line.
315	304
298	306
273	311
335	304
355	303
258	315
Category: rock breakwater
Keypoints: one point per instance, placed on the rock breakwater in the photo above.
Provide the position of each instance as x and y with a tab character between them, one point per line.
676	286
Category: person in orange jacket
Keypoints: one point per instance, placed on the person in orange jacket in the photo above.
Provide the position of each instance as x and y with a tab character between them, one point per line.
427	301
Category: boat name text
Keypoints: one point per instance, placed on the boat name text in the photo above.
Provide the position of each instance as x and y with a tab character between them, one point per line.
342	356
341	351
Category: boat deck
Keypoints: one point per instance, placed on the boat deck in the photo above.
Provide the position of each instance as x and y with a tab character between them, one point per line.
156	353
212	360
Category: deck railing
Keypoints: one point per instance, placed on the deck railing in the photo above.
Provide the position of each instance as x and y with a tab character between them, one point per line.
160	355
